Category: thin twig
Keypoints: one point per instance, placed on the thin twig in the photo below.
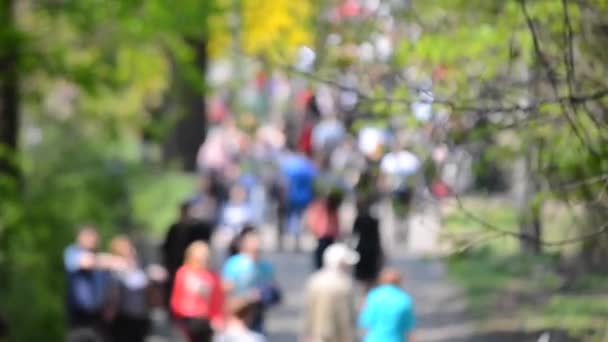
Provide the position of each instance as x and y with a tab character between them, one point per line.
586	181
476	242
488	226
569	50
457	106
553	80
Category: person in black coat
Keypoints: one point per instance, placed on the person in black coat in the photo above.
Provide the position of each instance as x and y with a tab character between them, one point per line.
176	241
369	247
179	236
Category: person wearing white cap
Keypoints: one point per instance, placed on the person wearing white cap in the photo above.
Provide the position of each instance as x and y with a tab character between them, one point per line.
329	302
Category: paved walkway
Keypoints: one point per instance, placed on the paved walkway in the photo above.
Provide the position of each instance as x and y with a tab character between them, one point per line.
440	307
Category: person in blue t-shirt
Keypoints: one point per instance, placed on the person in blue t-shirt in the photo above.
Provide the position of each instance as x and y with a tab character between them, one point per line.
247	275
388	313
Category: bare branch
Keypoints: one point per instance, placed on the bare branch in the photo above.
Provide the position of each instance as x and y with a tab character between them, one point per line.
475	242
569	51
488	226
584	139
454	105
587	181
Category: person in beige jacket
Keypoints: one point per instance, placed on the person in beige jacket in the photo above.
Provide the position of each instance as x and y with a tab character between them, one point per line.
329	300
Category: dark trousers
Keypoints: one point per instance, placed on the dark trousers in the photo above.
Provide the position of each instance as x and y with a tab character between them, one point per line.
82	324
257	321
129	329
197	329
322	244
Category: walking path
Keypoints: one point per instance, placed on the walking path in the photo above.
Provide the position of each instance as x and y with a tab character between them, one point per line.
440	307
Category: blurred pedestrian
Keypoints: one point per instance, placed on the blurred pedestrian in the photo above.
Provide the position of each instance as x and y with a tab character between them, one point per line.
329	300
175	243
369	247
347	163
399	169
197	300
311	117
206	203
235	215
237	212
213	154
128	295
400	165
248	275
180	235
87	282
235	245
299	175
237	329
323	221
371	141
388	312
327	135
278	195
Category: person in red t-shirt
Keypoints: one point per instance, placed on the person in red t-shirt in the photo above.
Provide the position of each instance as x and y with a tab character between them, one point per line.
197	300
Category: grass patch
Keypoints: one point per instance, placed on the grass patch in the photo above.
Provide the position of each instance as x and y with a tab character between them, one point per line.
460	228
591	283
575	312
510	291
155	198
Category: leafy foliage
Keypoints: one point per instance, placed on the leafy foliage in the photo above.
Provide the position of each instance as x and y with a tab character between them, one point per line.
94	75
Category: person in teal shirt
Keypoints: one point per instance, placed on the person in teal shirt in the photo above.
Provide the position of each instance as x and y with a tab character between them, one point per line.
247	275
388	313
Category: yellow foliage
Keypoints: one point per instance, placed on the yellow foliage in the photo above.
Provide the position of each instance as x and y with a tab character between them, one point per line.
273	28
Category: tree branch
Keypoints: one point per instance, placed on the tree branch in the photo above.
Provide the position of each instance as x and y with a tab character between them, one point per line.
454	105
488	226
584	139
569	50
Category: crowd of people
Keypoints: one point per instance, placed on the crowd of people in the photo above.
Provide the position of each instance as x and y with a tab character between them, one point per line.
108	295
214	279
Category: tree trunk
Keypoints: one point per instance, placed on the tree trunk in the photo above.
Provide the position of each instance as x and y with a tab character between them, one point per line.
189	132
595	250
9	92
525	189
